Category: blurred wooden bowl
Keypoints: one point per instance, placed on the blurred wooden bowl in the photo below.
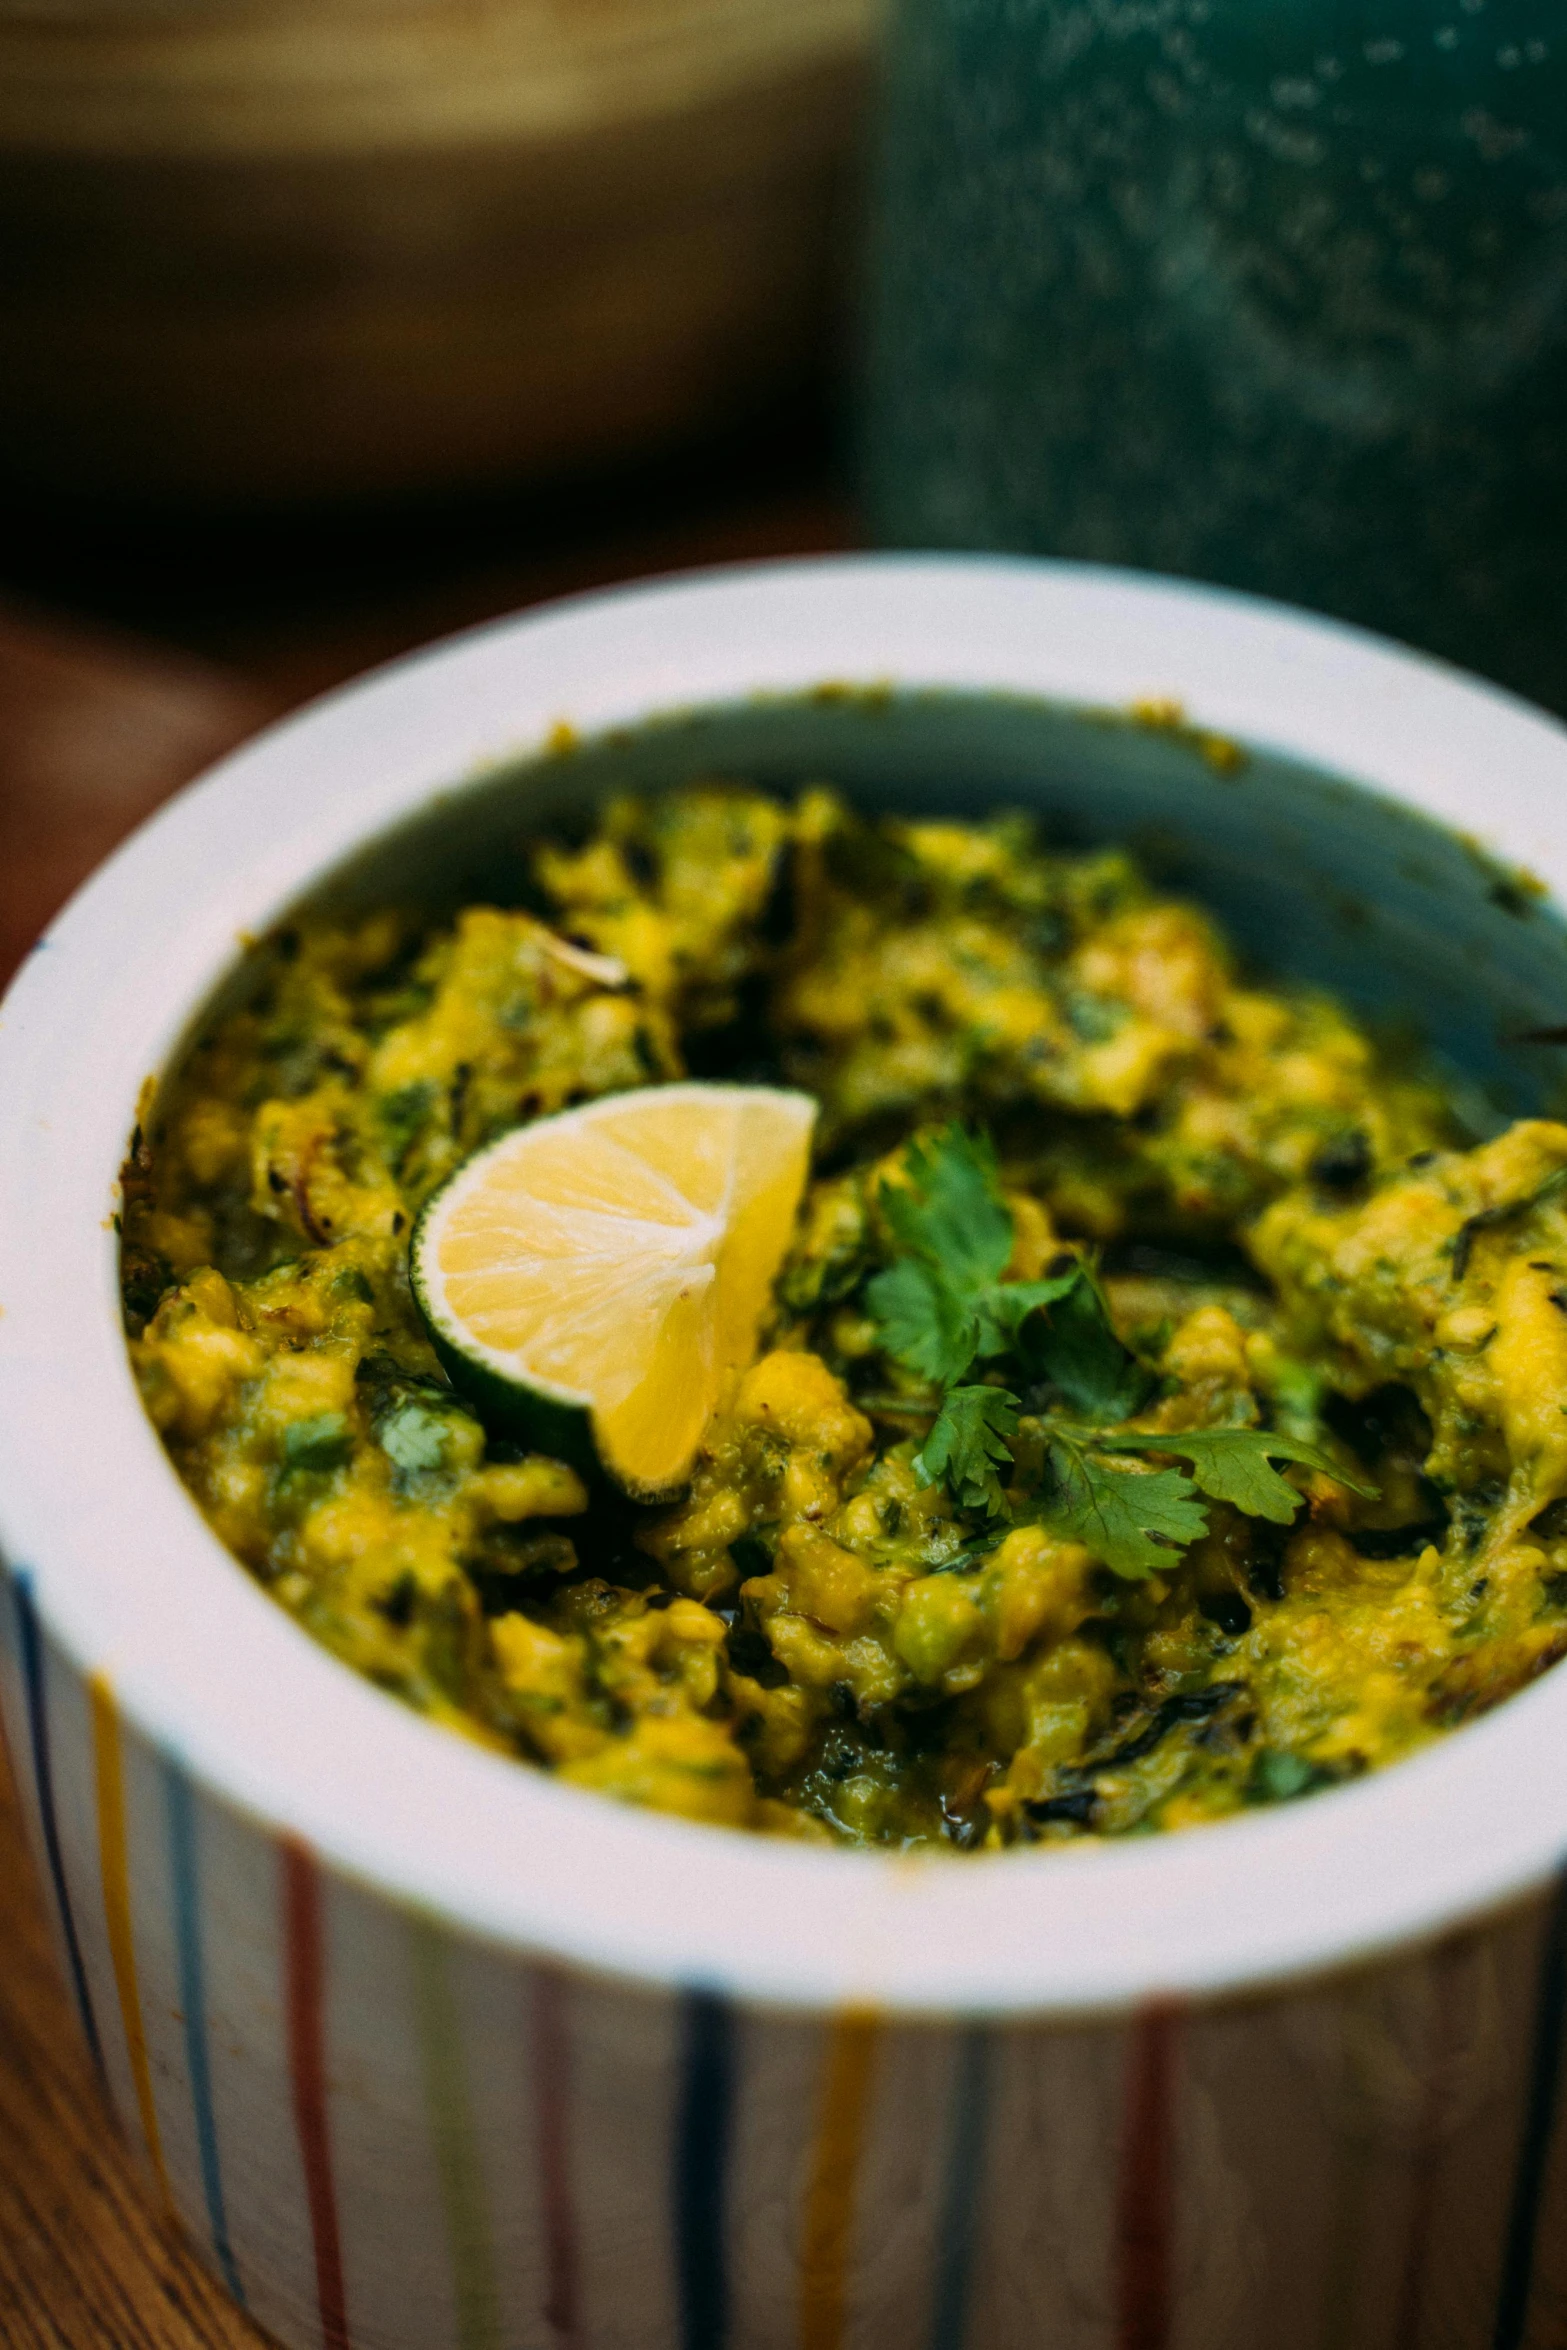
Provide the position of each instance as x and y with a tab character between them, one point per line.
260	251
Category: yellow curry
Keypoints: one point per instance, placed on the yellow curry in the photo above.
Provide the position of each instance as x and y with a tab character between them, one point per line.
1237	1467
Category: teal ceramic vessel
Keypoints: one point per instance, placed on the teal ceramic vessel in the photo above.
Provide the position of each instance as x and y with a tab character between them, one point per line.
1269	292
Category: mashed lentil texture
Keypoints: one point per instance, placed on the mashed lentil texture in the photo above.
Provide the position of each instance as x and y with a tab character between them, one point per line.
882	1614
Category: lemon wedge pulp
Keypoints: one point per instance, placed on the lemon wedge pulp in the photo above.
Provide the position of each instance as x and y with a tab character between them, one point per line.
599	1272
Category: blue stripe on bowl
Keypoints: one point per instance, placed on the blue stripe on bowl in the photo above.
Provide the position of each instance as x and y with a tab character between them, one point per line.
31	1643
960	2199
703	2128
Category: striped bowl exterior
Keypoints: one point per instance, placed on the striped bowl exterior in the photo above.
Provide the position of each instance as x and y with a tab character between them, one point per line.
385	2135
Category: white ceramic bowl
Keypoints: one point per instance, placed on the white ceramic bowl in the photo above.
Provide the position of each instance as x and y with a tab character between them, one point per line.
427	2049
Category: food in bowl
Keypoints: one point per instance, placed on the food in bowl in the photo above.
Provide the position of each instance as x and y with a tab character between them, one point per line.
1155	1411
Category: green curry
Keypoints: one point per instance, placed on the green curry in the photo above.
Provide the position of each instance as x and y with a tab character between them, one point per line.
1163	1411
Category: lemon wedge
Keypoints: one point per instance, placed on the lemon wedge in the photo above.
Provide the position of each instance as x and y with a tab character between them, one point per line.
590	1279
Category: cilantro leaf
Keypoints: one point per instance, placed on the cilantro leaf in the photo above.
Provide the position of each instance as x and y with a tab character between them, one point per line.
1077	1350
935	1332
942	1301
1233	1465
968	1444
1003	1309
951	1212
923	1323
1134	1520
942	1304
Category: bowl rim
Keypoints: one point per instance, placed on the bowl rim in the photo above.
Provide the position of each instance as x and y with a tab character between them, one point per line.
218	1678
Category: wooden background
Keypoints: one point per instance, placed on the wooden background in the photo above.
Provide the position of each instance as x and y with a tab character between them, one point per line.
101	719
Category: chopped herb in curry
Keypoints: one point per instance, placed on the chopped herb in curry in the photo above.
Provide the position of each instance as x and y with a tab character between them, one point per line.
1164	1406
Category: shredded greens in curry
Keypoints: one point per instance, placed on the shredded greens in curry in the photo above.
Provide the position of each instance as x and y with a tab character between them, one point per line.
1164	1407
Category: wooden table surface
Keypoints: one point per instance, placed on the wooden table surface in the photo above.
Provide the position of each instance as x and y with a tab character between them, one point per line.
97	725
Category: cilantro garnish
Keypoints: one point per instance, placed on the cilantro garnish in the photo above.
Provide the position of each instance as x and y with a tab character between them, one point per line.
967	1444
951	1215
1136	1520
1233	1464
943	1306
1077	1350
924	1322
